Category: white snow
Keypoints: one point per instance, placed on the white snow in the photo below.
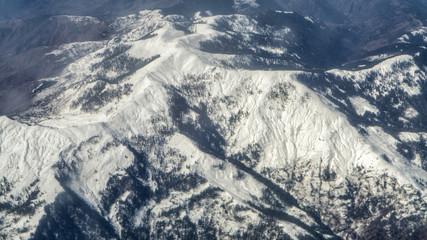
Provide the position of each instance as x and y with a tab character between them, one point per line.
379	57
27	154
389	75
362	105
412	136
410	112
420	31
293	125
76	49
309	19
82	19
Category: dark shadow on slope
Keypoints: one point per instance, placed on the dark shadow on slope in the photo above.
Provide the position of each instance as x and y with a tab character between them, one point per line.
306	45
285	197
288	218
388	116
205	135
391	107
69	217
201	130
413	49
131	181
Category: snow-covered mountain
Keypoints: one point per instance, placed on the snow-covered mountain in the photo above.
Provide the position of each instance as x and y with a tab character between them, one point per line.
248	124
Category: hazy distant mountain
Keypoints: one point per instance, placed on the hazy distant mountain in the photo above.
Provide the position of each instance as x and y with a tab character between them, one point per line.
98	8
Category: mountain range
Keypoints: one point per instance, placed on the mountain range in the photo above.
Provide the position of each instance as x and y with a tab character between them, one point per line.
244	119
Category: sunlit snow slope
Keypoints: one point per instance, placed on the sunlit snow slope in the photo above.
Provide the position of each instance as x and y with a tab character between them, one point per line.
155	134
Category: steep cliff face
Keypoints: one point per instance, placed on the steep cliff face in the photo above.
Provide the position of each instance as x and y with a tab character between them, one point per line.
234	126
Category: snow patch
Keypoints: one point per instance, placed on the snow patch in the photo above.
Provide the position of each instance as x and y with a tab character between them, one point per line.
411	113
412	136
362	105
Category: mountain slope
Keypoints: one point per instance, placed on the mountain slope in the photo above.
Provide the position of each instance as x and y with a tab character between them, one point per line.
155	133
